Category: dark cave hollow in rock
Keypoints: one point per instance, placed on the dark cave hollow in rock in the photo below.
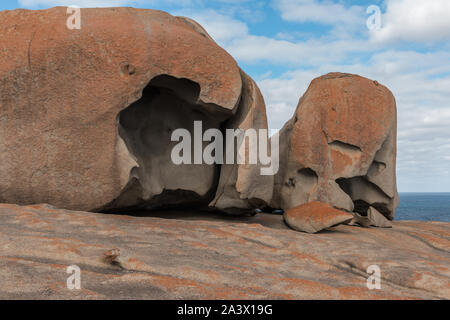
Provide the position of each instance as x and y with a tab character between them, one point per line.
365	194
146	126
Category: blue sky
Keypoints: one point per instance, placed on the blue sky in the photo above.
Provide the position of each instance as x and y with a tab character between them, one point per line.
284	44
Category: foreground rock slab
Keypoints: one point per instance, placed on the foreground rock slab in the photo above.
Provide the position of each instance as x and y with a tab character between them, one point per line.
200	256
315	216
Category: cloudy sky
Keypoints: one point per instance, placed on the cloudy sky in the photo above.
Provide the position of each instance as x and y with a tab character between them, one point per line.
284	44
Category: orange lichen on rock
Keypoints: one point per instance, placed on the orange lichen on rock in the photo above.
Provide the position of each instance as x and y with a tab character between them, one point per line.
314	217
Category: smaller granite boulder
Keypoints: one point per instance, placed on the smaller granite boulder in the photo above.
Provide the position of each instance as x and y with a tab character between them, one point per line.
340	147
315	216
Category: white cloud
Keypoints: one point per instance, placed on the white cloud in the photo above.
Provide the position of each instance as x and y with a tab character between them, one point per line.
220	27
325	12
312	52
404	20
234	36
414	20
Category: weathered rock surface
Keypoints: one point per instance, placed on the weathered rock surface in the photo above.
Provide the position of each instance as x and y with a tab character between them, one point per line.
377	219
198	256
340	147
314	217
373	218
243	186
359	220
86	115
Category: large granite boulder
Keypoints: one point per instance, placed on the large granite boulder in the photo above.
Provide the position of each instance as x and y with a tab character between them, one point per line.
87	114
340	147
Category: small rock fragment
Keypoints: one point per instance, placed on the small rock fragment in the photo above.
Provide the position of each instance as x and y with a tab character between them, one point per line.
359	220
373	219
377	219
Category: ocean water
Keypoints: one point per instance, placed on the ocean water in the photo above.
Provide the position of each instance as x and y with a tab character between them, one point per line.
424	206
